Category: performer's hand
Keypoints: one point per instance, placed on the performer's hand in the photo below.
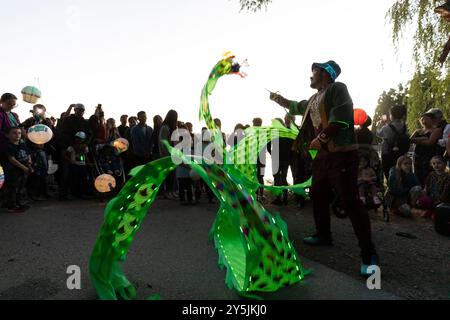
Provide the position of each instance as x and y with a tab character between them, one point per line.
275	97
315	144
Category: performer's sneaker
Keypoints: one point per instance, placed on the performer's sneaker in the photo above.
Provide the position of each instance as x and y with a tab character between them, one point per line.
365	265
317	240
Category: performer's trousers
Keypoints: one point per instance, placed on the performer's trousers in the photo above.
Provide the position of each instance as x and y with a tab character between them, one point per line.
336	174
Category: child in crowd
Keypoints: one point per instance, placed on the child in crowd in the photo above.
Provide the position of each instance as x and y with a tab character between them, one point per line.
108	159
37	181
401	181
17	168
184	183
76	156
437	184
367	181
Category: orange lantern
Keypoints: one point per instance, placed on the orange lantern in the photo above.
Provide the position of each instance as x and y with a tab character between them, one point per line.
121	145
105	183
359	117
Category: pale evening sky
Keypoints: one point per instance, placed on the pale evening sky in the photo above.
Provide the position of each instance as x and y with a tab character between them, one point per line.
156	55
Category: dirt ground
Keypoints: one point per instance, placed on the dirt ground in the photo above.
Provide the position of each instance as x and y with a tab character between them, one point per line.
411	268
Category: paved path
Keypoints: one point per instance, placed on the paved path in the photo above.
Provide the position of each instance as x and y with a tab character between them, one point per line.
171	256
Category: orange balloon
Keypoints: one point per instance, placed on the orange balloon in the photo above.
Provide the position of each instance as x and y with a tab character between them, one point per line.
359	117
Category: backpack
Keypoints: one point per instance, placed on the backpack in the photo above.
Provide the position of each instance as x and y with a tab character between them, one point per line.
400	145
442	219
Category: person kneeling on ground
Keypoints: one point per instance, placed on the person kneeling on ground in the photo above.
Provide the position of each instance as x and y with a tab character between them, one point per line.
401	181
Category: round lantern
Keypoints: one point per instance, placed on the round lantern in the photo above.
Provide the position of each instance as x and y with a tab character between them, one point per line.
40	134
194	175
359	117
121	145
31	94
105	183
2	177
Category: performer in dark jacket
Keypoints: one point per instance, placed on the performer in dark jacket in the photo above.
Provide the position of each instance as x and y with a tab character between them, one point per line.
328	127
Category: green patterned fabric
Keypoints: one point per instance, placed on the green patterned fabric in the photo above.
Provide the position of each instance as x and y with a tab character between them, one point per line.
252	244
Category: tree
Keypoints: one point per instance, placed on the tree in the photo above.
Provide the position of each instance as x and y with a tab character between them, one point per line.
430	31
426	92
387	100
430	85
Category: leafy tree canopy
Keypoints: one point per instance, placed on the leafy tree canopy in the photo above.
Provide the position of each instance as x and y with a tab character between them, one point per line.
430	85
388	99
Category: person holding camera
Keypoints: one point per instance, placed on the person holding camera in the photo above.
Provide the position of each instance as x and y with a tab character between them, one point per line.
97	124
38	117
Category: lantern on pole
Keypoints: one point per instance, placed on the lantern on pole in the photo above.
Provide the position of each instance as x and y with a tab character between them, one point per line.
121	145
31	94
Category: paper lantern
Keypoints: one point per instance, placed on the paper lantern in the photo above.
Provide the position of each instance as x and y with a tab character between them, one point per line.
40	134
105	183
359	117
31	94
194	175
121	145
2	177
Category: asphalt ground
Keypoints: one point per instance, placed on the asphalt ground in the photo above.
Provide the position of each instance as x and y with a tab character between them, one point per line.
171	255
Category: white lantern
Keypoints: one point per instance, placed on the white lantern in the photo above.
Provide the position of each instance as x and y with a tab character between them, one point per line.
105	183
121	145
2	177
31	94
40	134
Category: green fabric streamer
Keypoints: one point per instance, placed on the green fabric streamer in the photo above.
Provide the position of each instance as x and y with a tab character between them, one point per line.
252	244
123	217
